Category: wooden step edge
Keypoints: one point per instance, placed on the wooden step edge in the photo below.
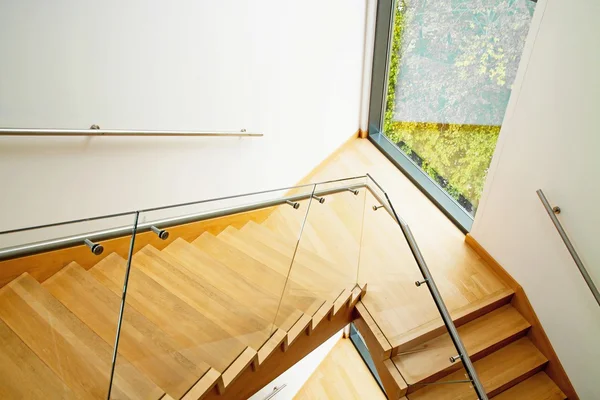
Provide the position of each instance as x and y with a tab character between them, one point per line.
537	387
276	340
488	379
379	348
356	295
463	315
443	372
325	311
204	384
377	342
315	306
482	352
363	290
301	326
342	301
505	363
517	380
289	321
392	380
248	357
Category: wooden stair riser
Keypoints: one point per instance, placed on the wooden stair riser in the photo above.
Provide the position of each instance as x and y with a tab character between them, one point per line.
460	317
429	362
497	372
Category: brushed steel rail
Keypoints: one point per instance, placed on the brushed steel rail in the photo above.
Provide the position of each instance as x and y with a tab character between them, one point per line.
99	236
122	133
584	273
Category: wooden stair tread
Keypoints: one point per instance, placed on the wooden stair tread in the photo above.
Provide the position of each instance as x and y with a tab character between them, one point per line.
255	272
232	316
497	372
286	224
302	282
310	239
306	257
65	344
538	387
24	375
460	316
148	348
199	338
257	250
318	279
282	252
429	361
261	302
336	236
237	260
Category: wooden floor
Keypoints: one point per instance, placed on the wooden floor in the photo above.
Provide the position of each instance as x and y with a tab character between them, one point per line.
398	306
341	375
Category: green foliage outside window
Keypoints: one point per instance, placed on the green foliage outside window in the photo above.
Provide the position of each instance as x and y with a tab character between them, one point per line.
394	68
456	154
460	154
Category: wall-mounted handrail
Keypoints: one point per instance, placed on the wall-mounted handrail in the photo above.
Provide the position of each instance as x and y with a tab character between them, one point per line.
121	132
98	236
584	273
437	298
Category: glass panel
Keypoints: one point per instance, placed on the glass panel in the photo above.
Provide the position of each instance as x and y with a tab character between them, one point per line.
57	320
451	70
405	313
324	270
400	308
207	293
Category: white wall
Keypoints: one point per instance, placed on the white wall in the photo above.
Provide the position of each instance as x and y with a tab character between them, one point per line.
550	140
291	70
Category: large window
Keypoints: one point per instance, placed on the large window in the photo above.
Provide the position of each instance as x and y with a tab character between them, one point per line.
448	70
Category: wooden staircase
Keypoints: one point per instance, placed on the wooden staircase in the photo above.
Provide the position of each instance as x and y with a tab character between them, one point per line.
198	315
497	338
220	312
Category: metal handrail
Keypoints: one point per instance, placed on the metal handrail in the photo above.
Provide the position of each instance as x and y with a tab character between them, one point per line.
75	240
584	273
437	298
121	132
186	204
55	244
